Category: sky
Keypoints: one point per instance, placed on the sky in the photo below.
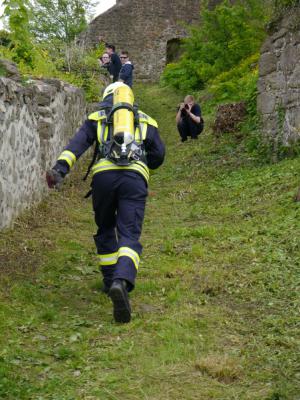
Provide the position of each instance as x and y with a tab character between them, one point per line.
102	6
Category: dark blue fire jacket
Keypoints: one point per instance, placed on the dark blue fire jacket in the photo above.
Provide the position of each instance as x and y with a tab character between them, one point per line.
88	134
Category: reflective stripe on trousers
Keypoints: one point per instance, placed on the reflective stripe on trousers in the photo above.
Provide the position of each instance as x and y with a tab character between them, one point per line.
111	259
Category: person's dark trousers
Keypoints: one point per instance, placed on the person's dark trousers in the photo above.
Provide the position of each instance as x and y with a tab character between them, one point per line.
186	127
119	199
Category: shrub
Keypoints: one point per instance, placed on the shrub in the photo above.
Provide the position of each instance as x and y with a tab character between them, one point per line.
239	83
227	35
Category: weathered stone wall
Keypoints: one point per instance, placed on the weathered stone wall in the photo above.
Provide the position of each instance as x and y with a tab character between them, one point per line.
144	29
35	122
279	82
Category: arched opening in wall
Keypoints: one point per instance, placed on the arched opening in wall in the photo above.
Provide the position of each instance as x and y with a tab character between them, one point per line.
174	50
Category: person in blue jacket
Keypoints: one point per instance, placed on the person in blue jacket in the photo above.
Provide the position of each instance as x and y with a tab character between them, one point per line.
119	195
126	72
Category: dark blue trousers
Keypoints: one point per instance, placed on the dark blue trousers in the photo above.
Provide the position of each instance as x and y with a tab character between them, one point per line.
119	199
187	127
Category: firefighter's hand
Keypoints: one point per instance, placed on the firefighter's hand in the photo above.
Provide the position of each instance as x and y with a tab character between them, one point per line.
54	179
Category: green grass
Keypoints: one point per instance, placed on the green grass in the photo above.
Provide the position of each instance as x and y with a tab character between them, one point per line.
215	310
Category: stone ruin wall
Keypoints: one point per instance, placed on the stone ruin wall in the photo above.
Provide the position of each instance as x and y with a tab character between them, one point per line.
36	121
279	82
144	29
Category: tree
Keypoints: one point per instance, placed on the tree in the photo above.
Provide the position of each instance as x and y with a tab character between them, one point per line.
21	45
60	20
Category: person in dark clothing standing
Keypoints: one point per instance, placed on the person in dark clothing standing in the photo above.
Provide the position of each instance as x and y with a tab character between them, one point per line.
115	62
126	72
189	120
119	189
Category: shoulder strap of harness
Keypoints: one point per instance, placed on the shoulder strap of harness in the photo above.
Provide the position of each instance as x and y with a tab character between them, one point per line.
100	117
102	123
146	118
144	121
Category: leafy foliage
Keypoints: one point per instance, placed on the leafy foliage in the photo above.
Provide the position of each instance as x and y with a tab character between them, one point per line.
62	20
22	48
80	67
239	83
57	56
5	38
226	36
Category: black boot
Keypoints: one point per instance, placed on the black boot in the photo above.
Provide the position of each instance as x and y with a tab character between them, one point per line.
119	296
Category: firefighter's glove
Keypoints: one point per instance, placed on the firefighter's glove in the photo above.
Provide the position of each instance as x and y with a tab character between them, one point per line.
54	179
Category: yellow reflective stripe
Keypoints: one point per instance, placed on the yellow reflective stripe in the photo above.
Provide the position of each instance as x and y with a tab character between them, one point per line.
146	118
152	121
142	115
69	157
97	116
107	165
128	252
108	259
102	132
99	130
137	135
105	133
144	130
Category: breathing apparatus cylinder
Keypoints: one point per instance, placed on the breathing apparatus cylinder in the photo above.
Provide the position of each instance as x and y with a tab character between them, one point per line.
123	117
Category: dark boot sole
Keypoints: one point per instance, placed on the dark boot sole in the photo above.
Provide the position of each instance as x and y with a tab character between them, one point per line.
122	312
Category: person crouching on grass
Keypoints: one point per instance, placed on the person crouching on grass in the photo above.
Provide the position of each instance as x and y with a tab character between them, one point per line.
188	119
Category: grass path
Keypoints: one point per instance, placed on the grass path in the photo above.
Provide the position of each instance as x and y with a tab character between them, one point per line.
216	304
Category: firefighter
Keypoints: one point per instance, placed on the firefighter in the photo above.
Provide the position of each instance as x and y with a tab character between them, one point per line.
127	145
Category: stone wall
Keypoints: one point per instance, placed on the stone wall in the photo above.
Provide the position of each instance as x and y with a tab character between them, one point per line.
36	121
279	82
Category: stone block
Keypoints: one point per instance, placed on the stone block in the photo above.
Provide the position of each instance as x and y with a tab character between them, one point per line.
266	103
267	63
44	111
289	58
45	128
279	34
291	127
270	124
291	99
267	46
280	43
11	70
294	79
275	81
44	94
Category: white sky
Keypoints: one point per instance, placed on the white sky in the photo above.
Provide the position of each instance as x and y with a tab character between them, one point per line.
102	6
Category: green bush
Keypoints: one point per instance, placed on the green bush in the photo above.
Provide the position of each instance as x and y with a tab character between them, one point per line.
5	38
239	83
180	76
226	36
